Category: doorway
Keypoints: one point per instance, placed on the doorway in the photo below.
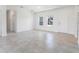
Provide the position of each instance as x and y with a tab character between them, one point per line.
11	21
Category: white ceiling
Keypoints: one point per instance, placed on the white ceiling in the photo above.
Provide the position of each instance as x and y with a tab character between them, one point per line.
38	8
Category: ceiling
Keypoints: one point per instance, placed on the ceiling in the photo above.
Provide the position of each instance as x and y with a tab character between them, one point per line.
38	8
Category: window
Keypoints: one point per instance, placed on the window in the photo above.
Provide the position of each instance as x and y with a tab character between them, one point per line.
41	21
50	21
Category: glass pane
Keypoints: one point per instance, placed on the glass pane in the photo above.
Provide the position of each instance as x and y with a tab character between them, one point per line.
41	20
50	21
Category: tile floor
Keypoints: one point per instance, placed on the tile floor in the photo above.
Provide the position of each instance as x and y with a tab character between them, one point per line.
38	42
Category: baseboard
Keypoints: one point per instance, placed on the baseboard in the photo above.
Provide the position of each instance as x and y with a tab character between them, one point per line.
56	32
24	31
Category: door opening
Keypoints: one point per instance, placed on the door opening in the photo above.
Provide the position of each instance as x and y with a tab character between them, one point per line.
11	21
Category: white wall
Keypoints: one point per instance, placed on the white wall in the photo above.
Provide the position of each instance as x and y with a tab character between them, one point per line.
4	30
24	19
3	20
77	15
0	23
64	20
